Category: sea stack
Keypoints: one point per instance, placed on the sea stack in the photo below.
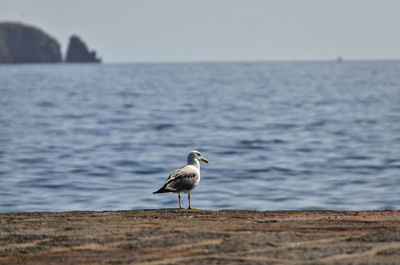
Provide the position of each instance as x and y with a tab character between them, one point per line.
20	43
77	52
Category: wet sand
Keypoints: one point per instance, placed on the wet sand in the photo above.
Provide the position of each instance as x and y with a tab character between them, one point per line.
174	236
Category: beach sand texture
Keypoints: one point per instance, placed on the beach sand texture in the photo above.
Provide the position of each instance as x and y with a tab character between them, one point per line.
172	236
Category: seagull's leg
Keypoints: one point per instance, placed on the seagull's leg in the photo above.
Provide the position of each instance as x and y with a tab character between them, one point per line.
179	197
190	207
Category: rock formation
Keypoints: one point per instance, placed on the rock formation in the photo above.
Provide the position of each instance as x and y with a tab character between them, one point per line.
78	52
20	43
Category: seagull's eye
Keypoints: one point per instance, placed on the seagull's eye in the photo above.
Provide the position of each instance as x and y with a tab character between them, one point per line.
198	154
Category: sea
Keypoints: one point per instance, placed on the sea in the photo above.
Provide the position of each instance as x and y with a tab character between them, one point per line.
278	135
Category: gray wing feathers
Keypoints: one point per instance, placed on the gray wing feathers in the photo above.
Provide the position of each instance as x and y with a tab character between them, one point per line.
181	179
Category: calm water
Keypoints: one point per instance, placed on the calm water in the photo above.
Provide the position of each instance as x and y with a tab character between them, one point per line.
279	135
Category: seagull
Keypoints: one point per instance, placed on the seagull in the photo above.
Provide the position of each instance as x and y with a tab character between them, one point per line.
184	179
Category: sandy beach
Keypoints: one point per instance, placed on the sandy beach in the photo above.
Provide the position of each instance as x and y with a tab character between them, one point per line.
172	236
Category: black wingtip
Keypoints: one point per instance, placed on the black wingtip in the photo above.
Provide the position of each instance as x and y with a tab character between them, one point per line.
162	190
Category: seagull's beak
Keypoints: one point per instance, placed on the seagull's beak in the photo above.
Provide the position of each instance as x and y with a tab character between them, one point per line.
203	159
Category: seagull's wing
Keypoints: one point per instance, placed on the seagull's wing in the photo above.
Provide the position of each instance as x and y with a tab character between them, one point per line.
183	178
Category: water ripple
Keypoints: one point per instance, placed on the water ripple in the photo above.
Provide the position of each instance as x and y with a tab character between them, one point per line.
277	135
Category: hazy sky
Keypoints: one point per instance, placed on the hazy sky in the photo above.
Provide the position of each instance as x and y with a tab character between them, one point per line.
219	30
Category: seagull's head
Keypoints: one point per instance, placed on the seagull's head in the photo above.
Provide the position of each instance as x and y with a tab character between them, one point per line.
196	156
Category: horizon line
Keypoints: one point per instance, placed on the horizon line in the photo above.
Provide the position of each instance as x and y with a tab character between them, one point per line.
342	59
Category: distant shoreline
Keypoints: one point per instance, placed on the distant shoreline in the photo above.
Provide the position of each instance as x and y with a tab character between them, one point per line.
215	62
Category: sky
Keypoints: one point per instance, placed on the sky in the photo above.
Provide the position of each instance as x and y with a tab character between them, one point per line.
218	30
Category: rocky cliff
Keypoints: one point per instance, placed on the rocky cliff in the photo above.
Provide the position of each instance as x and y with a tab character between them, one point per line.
20	43
77	51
